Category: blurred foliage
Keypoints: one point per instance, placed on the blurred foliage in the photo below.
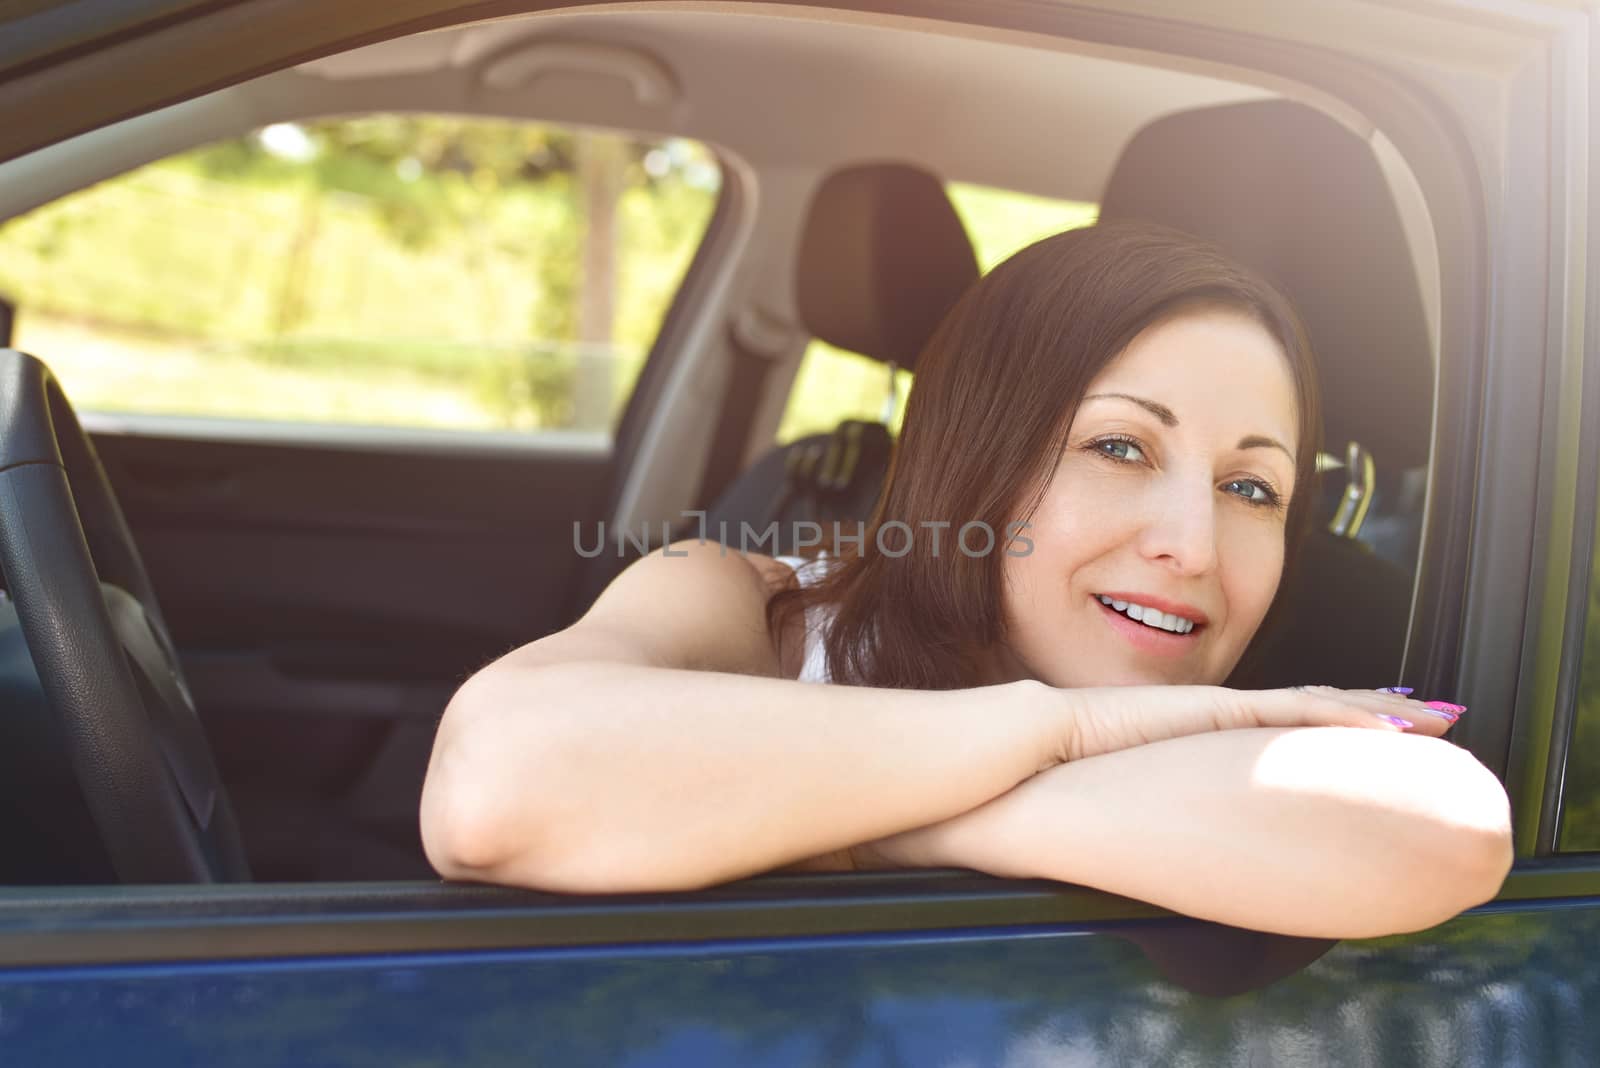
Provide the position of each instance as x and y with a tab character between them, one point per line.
404	255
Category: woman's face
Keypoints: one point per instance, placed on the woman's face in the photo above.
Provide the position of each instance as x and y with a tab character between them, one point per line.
1169	502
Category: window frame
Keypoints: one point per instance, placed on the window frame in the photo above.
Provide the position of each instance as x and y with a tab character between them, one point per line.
1568	618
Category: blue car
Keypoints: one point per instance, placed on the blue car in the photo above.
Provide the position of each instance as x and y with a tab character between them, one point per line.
349	346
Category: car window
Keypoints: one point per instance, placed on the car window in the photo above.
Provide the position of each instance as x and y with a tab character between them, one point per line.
405	271
1580	813
833	385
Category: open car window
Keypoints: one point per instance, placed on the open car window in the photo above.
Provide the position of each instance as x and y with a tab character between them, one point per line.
297	312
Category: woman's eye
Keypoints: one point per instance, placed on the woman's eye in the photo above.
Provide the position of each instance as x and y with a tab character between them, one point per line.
1252	491
1118	449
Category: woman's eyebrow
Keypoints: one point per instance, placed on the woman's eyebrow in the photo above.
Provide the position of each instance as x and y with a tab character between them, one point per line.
1259	441
1168	419
1160	411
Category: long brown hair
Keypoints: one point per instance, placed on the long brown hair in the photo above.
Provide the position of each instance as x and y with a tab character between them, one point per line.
986	423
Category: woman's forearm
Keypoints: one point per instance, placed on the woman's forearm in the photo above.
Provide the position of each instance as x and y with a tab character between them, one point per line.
600	777
1320	832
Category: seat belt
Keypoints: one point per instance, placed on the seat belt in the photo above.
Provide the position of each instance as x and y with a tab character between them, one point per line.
1361	479
757	340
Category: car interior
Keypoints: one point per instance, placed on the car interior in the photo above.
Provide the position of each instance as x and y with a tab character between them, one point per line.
326	588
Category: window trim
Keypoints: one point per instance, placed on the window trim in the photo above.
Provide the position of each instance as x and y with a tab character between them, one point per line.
82	926
541	445
1573	617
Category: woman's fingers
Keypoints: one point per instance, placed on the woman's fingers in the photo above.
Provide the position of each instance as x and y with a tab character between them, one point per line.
1109	719
1373	709
1426	717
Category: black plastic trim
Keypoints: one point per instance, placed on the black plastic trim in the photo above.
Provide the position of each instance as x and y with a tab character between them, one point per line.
666	351
162	924
678	320
158	924
55	32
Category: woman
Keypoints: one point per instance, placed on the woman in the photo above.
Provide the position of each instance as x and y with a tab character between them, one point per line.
1135	419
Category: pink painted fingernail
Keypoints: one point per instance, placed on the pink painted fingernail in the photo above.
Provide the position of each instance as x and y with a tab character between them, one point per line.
1442	713
1403	724
1444	706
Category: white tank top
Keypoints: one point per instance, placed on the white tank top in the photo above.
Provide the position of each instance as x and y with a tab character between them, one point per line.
808	570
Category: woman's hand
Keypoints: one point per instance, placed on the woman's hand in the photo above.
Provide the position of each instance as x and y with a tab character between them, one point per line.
1318	833
1109	719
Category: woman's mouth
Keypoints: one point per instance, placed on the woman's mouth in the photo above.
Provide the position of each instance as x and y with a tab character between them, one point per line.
1149	615
1152	625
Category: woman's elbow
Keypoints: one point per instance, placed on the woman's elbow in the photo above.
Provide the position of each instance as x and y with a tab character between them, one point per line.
1487	875
1467	850
1481	820
478	820
457	820
500	801
469	836
455	841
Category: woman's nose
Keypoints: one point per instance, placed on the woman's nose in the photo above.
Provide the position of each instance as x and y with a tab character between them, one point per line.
1182	529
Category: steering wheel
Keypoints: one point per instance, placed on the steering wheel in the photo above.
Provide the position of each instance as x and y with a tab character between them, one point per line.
101	650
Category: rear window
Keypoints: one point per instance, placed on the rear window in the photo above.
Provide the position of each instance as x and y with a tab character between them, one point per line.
392	270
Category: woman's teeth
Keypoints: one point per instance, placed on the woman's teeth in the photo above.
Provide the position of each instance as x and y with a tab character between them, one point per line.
1150	617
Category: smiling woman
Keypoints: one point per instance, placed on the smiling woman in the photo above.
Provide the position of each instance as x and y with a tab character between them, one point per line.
1144	414
1150	411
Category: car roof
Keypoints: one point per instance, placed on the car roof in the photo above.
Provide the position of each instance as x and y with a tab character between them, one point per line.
807	90
780	90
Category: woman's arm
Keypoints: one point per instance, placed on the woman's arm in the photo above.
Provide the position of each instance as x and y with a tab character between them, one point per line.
609	777
657	744
1318	832
652	746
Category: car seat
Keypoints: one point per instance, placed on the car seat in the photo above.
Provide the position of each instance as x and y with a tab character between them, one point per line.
883	257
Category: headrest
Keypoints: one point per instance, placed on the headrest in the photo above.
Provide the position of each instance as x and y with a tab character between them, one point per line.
884	256
1287	191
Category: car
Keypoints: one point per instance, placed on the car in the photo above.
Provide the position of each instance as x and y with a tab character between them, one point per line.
311	412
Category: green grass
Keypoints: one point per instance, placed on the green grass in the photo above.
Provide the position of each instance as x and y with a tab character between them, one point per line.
169	291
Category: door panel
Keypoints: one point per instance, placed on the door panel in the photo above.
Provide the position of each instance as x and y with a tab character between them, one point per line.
1505	985
247	324
326	601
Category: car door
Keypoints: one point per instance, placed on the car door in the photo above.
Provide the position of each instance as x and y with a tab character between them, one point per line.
356	382
898	968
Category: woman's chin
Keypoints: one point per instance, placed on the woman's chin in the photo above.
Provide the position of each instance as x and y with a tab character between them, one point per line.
1138	675
1109	667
